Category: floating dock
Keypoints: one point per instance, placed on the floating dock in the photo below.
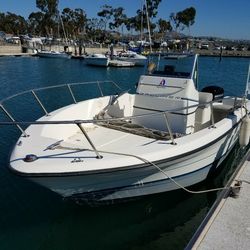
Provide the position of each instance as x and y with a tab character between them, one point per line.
227	225
118	63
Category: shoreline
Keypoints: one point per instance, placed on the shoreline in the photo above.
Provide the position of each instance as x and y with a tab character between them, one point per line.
18	50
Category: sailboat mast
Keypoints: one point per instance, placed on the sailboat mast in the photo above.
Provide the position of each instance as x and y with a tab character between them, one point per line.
64	33
149	33
142	29
61	21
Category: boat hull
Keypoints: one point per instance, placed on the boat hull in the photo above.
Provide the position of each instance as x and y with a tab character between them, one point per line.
53	55
137	62
102	62
144	179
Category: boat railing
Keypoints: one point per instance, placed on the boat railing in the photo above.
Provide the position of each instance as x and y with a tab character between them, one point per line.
69	86
34	93
79	123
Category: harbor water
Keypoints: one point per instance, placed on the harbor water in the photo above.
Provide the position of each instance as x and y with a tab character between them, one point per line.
32	217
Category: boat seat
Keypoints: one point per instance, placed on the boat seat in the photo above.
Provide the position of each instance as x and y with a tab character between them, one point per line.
203	112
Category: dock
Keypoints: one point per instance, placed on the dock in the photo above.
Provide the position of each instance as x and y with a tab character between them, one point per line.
17	54
118	63
227	224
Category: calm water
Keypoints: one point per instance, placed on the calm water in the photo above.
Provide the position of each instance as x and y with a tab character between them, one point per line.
32	217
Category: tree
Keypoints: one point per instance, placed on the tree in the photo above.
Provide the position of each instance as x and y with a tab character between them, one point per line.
145	15
36	23
80	20
183	19
12	23
119	18
106	13
187	17
164	25
95	28
152	6
75	21
47	6
50	19
2	18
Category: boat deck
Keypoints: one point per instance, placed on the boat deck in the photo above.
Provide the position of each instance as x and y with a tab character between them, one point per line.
107	141
229	225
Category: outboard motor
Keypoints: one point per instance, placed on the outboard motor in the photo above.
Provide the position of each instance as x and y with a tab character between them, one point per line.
218	92
169	70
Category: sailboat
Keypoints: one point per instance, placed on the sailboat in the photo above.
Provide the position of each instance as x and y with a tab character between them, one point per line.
53	53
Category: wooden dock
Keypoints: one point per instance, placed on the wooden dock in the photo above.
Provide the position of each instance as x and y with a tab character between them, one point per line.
227	225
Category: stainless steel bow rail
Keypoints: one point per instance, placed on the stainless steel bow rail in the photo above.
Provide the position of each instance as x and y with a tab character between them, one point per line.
34	92
79	123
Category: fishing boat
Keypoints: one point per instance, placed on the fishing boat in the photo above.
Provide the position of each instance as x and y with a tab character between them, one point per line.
166	136
97	60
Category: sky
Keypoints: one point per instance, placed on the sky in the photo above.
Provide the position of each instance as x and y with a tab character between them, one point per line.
219	18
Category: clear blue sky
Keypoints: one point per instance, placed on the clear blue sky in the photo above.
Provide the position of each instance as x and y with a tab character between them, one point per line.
221	18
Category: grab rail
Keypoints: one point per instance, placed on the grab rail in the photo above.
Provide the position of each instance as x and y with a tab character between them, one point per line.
94	121
58	86
34	93
39	102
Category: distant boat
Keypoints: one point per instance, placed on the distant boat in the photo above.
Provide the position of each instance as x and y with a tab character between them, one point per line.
177	56
53	54
131	56
97	60
56	54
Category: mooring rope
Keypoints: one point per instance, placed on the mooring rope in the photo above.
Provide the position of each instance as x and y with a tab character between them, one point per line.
162	171
170	178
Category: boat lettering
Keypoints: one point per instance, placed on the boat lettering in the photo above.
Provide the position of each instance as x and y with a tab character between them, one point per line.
76	160
163	82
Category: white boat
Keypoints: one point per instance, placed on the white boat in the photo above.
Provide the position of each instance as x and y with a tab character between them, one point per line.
130	56
166	136
53	54
120	64
177	56
97	60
